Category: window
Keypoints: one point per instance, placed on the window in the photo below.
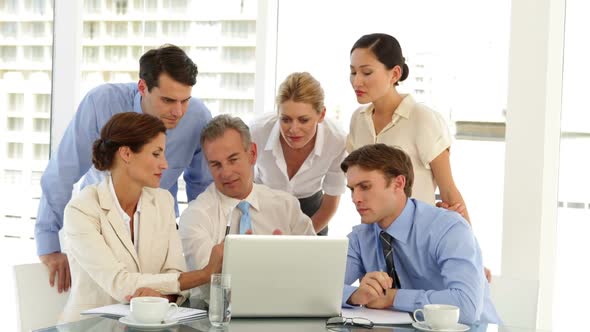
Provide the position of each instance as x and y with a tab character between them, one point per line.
38	7
14	150
172	29
15	124
8	53
9	6
40	151
121	7
90	29
12	176
15	102
93	6
41	126
452	93
117	30
35	53
573	198
115	54
8	29
36	178
90	54
42	103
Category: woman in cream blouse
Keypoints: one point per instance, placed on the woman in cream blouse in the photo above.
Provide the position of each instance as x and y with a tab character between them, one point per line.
120	235
376	67
300	151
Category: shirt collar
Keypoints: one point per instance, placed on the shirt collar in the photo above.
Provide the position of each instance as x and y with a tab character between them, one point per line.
273	138
403	109
229	203
319	139
122	212
401	226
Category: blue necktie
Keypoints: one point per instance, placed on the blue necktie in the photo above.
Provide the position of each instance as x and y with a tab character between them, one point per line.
245	221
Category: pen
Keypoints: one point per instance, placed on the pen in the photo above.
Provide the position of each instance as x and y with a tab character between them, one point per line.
229	221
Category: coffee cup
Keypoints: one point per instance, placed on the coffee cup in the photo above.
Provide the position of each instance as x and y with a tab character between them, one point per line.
150	309
439	316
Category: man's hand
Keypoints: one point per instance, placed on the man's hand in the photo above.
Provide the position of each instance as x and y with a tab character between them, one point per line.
57	263
143	291
215	259
373	287
383	302
459	208
488	274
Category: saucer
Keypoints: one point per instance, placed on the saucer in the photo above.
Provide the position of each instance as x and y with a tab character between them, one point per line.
128	320
457	328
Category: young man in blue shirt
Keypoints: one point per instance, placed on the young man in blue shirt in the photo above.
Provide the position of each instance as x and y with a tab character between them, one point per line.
407	253
167	76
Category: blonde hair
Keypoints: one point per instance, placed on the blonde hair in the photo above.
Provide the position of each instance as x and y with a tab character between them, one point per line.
302	88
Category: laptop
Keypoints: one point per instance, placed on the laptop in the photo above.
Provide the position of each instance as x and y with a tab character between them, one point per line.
285	275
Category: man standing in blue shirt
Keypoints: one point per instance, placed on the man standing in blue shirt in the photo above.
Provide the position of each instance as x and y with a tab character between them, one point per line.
167	76
407	253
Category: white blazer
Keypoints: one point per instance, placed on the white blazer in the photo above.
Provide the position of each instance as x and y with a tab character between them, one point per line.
104	264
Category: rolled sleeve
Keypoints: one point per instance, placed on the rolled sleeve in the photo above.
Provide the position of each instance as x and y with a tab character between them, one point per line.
434	139
334	183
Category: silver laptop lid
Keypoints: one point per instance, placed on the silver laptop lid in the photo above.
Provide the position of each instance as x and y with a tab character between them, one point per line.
285	275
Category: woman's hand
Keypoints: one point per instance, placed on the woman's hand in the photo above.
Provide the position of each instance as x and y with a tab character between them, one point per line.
143	291
459	208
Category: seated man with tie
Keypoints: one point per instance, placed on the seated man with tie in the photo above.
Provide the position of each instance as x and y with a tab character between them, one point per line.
429	255
233	198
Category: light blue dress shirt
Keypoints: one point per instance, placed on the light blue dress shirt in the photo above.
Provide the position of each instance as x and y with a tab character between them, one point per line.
73	158
437	258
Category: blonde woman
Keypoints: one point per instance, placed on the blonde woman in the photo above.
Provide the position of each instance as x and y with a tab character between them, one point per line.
300	150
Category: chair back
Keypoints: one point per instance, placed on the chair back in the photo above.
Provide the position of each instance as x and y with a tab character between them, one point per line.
38	305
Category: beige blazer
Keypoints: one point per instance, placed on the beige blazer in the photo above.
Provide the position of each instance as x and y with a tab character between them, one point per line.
104	264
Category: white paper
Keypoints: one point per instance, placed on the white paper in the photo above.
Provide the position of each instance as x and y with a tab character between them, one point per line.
181	314
378	316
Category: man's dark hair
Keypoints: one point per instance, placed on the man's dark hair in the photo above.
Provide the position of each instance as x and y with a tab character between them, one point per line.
168	59
391	161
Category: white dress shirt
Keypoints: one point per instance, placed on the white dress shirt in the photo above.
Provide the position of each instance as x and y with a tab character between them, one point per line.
421	132
124	214
320	171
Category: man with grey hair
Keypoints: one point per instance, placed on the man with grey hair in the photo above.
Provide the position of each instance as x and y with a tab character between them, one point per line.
233	198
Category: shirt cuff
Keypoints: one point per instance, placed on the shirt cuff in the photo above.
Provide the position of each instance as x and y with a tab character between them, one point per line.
407	300
47	243
346	293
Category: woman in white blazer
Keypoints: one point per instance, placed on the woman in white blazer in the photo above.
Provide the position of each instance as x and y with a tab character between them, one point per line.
120	235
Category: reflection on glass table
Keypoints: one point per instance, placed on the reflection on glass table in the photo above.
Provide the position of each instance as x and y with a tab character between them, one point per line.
251	325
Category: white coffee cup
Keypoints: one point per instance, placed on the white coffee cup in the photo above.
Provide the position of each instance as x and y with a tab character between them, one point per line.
439	316
150	309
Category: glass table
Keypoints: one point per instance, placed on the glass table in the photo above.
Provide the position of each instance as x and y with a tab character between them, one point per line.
101	324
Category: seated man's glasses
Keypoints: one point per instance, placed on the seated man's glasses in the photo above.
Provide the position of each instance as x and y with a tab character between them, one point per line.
343	321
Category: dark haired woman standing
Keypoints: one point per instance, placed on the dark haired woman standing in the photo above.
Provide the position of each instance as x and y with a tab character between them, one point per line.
376	67
120	235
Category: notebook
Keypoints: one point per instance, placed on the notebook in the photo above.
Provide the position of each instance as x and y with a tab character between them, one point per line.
182	314
285	275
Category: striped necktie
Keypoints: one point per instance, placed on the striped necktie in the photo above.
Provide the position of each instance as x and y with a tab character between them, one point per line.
245	221
386	243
